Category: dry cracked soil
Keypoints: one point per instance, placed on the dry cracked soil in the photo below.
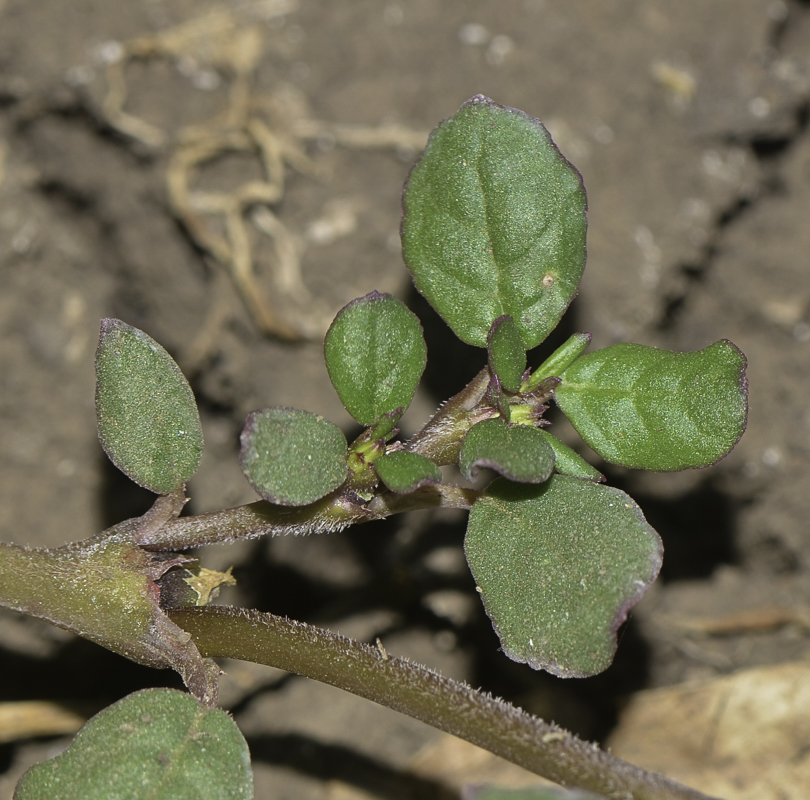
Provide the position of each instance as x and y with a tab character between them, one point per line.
131	138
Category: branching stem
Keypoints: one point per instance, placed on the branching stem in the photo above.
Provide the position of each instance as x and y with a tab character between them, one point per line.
456	708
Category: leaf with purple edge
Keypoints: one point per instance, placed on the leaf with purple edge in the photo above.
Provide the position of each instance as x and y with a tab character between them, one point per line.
375	353
148	421
518	452
507	355
558	567
155	743
292	457
655	409
494	223
404	472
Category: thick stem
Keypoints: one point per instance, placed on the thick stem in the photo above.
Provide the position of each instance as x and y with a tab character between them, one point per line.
369	672
104	590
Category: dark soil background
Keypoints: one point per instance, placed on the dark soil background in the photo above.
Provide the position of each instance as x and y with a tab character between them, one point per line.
688	121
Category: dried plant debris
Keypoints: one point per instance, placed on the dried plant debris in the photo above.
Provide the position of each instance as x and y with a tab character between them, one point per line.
744	736
273	128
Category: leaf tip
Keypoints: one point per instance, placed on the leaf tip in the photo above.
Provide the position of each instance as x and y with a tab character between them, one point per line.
110	323
479	100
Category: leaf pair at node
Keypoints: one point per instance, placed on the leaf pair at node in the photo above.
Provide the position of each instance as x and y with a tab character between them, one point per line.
375	354
150	428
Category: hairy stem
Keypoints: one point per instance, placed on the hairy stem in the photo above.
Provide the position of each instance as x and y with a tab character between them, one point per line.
329	515
441	438
254	520
369	672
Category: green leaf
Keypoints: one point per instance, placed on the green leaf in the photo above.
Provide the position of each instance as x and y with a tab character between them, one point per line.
148	421
157	743
403	472
558	567
529	793
375	354
494	223
518	452
559	360
292	457
654	409
507	355
569	462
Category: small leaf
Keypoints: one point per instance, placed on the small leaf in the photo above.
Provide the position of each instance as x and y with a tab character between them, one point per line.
156	743
292	457
386	426
518	452
507	355
558	567
559	360
375	354
403	472
569	462
148	421
654	409
494	223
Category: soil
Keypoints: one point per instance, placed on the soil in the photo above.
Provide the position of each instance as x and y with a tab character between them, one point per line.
688	122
